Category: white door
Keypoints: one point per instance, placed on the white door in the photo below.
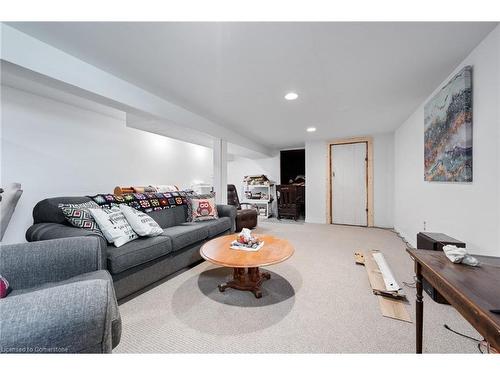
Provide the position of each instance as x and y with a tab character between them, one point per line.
349	183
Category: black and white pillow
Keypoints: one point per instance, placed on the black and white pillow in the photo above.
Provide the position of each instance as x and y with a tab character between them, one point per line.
114	225
141	223
79	215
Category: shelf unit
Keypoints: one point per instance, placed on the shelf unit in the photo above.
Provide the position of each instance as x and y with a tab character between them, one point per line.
264	206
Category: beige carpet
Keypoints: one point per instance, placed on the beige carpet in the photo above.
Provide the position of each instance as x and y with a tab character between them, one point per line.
318	301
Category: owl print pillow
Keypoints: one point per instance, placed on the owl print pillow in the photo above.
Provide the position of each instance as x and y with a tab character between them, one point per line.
203	209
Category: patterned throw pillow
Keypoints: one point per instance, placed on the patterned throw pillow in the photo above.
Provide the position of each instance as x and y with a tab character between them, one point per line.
79	215
203	209
114	225
4	287
141	223
190	195
165	188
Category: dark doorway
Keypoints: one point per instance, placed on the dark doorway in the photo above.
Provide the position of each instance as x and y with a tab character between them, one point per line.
291	192
292	165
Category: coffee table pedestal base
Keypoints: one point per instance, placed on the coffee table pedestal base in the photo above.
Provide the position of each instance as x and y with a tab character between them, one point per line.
249	279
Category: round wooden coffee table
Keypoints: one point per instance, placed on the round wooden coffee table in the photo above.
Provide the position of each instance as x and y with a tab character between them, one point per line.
245	264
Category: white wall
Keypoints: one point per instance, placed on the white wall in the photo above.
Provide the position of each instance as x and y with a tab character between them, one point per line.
239	167
383	177
468	212
316	164
383	180
40	60
57	149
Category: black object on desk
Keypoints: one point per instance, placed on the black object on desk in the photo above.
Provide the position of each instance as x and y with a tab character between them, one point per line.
435	241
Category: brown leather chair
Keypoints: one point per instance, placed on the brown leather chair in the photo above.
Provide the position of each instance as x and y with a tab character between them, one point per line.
245	218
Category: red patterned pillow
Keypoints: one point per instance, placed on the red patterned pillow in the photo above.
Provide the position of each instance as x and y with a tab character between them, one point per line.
79	215
4	287
203	209
189	198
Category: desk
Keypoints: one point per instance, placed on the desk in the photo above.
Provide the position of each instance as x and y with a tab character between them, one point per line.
472	291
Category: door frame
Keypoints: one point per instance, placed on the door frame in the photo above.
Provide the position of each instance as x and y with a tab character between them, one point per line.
369	176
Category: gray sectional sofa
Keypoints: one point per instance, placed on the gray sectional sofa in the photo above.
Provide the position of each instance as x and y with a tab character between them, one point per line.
144	261
61	301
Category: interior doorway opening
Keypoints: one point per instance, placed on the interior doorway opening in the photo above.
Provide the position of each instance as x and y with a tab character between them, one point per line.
350	182
291	191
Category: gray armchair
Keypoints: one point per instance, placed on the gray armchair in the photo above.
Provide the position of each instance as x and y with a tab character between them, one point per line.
61	301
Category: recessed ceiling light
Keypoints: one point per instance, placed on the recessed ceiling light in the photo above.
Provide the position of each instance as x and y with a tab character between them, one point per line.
311	129
291	96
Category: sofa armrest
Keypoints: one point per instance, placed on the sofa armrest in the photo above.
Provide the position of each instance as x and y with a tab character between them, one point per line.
27	265
226	210
69	318
51	231
9	199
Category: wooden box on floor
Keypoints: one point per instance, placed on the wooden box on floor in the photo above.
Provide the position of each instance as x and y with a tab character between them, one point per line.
290	200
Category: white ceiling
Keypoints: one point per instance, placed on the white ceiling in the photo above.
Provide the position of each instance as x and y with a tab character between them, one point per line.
352	78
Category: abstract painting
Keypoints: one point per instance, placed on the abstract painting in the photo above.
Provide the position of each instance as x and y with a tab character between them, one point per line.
448	131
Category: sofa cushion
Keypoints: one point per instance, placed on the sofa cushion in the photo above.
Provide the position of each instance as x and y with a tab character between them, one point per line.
139	251
170	217
214	227
219	226
185	235
94	275
79	314
48	211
